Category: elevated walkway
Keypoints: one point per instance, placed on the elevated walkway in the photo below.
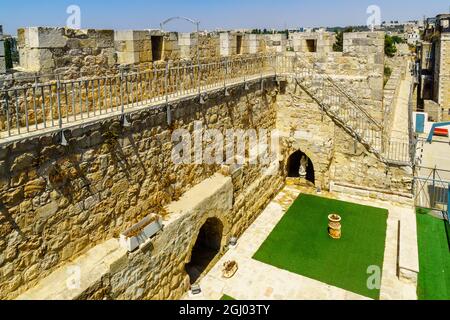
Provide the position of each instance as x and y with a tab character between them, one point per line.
86	273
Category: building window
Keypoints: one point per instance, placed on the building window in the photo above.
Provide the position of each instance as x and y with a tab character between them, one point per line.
311	45
157	48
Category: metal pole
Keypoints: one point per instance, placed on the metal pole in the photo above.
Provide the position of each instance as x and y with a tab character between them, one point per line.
198	57
58	95
448	204
433	190
121	92
166	80
8	120
197	23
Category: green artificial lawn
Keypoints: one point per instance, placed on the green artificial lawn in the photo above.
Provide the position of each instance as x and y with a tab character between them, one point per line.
434	258
300	243
227	298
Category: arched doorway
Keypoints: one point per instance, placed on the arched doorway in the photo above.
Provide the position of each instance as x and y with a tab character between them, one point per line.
206	248
293	166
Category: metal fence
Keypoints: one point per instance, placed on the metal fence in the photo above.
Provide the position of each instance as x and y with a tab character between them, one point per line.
56	104
431	188
347	110
398	151
41	106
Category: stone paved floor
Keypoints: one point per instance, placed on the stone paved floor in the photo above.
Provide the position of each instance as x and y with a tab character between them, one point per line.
400	126
258	281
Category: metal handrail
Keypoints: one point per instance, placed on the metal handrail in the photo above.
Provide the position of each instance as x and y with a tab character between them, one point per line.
389	150
338	87
57	103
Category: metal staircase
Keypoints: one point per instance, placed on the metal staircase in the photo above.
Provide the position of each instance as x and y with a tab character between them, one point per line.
344	110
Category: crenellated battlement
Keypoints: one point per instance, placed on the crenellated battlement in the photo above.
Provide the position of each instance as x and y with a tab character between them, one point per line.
90	51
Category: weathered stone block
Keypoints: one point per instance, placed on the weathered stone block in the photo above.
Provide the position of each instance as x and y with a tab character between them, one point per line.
131	35
2	65
43	37
103	38
127	57
2	48
111	56
47	211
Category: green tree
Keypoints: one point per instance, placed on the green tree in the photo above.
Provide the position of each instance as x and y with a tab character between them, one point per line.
389	46
8	55
397	39
338	46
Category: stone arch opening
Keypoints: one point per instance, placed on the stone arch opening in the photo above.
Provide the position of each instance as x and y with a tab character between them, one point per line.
206	248
293	166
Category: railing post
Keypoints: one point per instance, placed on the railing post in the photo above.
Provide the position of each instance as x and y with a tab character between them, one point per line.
199	77
121	92
432	198
124	120
166	81
34	103
166	90
276	65
226	73
17	111
8	118
58	96
448	204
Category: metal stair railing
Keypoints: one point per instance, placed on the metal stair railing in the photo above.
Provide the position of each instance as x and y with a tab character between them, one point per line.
351	119
319	70
348	117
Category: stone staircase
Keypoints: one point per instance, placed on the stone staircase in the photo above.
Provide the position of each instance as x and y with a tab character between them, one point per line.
344	110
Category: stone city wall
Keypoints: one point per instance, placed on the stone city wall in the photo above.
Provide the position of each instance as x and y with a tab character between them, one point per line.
337	156
358	70
307	42
57	202
94	52
391	91
368	49
67	51
276	42
32	106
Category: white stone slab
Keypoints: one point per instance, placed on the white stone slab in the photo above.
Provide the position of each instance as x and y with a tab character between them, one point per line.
89	269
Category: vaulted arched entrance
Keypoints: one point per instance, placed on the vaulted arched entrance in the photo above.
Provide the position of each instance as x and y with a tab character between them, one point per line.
206	248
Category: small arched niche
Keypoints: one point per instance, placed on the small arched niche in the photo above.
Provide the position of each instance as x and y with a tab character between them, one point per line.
293	166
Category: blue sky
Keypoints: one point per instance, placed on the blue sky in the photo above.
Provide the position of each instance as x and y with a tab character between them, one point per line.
228	14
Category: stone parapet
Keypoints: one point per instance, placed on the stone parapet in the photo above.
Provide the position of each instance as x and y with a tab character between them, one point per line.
276	42
71	199
309	42
133	47
63	50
